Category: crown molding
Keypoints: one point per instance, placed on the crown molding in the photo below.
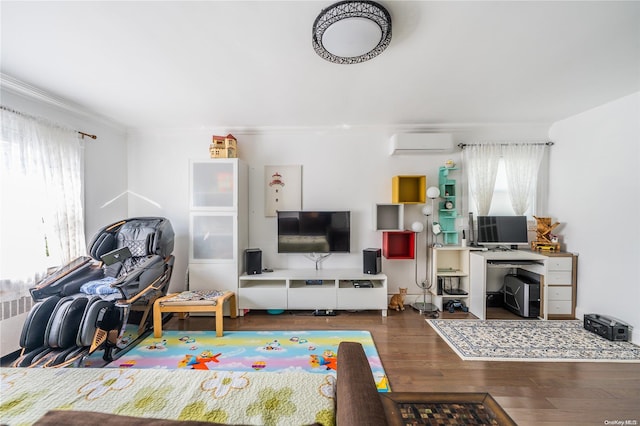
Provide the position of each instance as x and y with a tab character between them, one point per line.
20	88
460	128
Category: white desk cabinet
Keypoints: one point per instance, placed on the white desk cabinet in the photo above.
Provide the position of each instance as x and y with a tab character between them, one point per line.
556	272
330	289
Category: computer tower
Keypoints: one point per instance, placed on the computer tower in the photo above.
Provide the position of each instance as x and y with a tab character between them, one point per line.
253	261
522	296
372	261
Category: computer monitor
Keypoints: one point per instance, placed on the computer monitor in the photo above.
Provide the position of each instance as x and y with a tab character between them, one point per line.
502	230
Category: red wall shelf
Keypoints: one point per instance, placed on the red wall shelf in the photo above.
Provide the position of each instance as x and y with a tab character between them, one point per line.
398	244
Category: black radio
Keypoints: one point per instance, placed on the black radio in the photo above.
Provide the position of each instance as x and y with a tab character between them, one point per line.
609	328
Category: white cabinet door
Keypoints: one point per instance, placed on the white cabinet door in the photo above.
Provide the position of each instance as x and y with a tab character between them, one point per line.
212	237
362	298
213	185
478	286
312	297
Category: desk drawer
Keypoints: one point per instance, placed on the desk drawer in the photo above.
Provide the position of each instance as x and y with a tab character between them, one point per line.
560	264
559	307
558	277
557	293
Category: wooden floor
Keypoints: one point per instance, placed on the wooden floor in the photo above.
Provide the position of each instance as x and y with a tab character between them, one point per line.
417	359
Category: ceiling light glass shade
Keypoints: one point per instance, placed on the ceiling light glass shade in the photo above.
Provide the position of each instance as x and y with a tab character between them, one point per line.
433	192
350	32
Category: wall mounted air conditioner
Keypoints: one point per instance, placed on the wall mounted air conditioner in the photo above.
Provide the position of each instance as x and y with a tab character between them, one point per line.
421	143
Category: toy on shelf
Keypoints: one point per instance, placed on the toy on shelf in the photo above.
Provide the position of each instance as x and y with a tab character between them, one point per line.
545	240
223	147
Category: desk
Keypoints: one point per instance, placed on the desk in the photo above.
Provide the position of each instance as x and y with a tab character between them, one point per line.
557	273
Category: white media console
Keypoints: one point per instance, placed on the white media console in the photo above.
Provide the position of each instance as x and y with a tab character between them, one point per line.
304	289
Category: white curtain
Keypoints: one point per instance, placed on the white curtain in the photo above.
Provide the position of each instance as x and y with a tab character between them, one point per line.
42	220
482	166
522	162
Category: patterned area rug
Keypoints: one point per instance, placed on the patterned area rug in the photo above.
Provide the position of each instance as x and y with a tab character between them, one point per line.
518	340
257	351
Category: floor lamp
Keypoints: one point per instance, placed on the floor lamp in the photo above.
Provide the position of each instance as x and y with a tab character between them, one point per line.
432	193
418	227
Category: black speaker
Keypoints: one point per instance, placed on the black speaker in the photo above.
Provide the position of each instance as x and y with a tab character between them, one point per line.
253	261
372	261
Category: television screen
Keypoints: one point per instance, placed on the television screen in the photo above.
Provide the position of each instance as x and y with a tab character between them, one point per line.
502	230
314	232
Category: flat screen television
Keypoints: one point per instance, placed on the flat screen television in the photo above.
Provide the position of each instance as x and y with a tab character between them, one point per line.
314	232
502	230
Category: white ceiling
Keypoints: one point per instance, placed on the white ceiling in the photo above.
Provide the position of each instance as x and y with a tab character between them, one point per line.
251	64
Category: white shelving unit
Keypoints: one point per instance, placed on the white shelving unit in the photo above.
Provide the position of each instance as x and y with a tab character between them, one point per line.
450	267
331	289
218	223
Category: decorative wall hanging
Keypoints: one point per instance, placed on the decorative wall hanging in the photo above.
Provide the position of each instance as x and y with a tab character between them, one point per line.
283	189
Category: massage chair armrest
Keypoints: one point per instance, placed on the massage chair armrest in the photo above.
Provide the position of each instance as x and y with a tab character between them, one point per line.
358	401
67	280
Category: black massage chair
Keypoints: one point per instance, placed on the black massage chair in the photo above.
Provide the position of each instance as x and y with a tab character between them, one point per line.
102	302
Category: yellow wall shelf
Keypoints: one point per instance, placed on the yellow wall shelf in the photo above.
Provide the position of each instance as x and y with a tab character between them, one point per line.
409	189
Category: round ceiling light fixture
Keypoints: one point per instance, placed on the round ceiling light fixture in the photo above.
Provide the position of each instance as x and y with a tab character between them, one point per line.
350	32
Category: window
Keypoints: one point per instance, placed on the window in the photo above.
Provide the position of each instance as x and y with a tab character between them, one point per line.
501	202
28	245
41	215
504	178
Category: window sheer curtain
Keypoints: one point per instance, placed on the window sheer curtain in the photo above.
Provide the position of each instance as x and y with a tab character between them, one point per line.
482	166
522	162
42	219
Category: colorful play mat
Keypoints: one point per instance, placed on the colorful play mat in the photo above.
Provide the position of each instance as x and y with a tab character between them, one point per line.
275	351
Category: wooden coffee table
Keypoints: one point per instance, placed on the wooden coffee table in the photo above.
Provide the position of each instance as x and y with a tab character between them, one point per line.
164	304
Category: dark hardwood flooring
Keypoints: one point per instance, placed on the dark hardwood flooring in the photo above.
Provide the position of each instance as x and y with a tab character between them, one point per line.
417	359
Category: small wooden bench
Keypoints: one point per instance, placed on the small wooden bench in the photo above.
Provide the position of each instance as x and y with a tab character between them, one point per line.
162	304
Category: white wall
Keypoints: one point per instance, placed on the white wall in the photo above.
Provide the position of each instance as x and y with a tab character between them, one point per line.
595	193
345	169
